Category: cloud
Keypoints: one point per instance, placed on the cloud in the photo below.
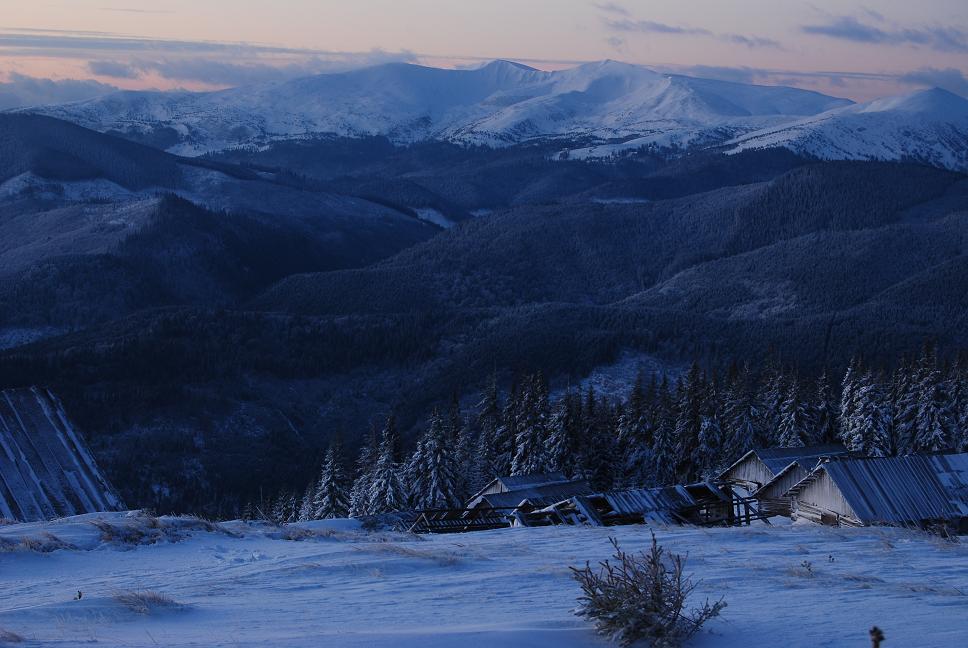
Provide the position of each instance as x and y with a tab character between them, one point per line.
628	25
735	74
21	90
950	79
612	8
218	72
942	39
140	11
751	41
114	69
650	27
617	43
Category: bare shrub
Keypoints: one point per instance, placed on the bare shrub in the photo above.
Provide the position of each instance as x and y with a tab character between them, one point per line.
145	601
8	637
642	597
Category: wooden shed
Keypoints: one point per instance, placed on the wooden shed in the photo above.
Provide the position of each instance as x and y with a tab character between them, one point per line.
917	490
505	501
46	469
758	467
774	497
703	503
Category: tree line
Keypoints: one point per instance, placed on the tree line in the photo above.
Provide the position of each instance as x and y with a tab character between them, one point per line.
664	431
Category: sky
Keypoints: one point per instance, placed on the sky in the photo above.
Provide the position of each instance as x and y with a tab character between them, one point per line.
61	51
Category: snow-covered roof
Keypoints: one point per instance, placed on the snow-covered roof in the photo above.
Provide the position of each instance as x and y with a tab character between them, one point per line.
899	490
46	470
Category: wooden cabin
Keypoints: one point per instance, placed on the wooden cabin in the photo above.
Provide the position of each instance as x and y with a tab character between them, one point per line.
774	498
505	501
919	490
758	467
703	504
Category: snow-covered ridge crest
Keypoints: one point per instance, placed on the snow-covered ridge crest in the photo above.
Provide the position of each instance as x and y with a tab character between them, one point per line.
497	104
929	126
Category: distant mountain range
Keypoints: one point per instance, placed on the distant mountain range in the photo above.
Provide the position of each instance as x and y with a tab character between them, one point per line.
595	110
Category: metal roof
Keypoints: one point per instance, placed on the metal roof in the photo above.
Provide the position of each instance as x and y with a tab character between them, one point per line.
776	459
658	504
898	490
523	481
543	495
46	468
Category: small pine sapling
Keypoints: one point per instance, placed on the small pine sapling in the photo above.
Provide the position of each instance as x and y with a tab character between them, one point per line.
642	597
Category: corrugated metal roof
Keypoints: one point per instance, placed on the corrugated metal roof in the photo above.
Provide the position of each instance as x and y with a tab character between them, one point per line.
525	481
539	495
952	473
46	469
899	490
776	459
658	504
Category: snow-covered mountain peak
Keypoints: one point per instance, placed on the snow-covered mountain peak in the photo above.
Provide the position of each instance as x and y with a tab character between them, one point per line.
613	106
934	103
929	126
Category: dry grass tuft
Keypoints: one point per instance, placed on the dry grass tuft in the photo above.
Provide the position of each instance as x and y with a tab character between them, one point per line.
442	558
145	601
8	637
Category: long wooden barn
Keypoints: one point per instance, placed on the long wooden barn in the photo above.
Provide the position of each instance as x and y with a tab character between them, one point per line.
761	466
923	491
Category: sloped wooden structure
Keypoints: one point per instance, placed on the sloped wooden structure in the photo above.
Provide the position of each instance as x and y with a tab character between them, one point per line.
919	490
46	469
760	466
701	504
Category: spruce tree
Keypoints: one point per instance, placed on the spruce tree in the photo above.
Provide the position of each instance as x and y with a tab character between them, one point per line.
387	492
771	408
365	464
431	473
933	423
795	426
709	450
531	444
904	405
490	445
306	504
825	411
634	434
663	438
868	422
688	423
565	435
847	395
331	499
740	414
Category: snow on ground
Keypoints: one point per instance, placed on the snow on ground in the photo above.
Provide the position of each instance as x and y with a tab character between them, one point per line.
331	584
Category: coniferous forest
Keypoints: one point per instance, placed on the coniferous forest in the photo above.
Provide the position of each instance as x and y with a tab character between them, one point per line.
664	431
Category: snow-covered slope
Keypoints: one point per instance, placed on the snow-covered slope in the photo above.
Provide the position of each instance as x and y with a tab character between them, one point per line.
930	126
499	103
328	584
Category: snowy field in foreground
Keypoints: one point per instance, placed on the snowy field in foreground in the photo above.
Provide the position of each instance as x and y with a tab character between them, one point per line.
331	585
